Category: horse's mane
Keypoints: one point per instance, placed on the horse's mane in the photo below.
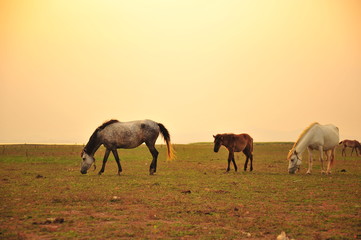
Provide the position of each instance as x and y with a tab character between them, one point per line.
107	123
92	140
300	138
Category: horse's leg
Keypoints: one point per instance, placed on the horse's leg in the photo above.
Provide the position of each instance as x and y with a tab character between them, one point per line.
251	158
310	161
352	151
117	159
234	163
230	157
321	159
247	158
106	155
247	152
330	156
154	152
343	151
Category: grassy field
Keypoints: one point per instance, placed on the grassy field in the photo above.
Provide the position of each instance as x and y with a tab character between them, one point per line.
44	196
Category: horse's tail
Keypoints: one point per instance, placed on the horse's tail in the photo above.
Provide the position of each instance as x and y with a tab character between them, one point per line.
332	160
166	136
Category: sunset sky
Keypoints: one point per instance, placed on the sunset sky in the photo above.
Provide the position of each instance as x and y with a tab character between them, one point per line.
200	67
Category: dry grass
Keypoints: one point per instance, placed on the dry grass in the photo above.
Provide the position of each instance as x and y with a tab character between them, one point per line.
190	198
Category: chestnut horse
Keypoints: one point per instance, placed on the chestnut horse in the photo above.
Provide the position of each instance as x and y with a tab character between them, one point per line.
235	143
354	144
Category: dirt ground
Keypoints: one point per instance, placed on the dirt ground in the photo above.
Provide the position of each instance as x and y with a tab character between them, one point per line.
44	196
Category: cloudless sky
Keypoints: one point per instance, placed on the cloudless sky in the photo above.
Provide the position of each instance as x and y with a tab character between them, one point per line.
200	67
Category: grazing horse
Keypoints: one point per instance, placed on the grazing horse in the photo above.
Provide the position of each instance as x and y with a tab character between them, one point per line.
235	143
315	137
114	134
354	144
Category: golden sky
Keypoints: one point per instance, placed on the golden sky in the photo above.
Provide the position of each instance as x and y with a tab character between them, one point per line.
200	67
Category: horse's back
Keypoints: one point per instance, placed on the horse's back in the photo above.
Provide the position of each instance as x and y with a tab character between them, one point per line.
141	124
130	134
244	137
134	126
243	141
329	134
350	143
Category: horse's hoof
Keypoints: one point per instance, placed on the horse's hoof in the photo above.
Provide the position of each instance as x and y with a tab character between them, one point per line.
151	171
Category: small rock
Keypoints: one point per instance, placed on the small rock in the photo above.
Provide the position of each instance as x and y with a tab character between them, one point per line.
186	192
283	236
58	220
50	221
115	199
247	234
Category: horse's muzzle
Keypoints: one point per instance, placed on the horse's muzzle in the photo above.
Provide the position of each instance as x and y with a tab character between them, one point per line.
83	171
292	170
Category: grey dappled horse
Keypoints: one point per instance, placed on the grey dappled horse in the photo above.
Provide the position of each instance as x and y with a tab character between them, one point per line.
114	134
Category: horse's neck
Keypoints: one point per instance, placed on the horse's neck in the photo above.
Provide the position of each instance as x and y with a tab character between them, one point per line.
228	143
93	145
92	152
304	142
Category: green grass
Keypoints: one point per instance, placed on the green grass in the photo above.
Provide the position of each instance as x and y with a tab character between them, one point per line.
189	198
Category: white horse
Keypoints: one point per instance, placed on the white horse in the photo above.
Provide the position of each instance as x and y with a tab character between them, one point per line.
114	134
324	138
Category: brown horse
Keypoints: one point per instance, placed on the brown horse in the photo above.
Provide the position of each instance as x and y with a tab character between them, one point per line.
354	144
235	143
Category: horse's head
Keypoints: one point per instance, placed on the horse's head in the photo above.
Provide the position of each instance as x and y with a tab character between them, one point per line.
87	162
218	141
294	161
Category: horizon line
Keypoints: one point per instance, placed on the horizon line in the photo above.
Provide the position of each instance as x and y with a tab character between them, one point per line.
81	144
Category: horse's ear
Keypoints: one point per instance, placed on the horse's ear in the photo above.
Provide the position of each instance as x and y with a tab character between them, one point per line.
214	136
